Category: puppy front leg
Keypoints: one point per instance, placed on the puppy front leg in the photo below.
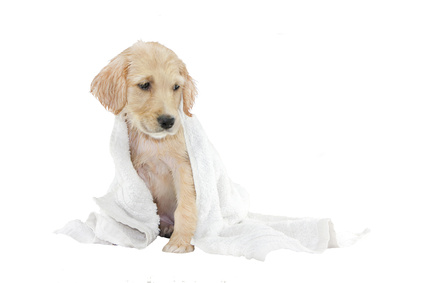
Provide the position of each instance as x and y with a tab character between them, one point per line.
186	214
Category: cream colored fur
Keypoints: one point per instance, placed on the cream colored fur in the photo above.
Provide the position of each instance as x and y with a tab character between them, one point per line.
159	155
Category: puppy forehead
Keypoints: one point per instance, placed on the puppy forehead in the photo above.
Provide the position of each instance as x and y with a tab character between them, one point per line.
154	62
158	75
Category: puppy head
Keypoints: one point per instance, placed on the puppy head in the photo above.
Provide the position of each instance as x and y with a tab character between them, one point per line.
146	81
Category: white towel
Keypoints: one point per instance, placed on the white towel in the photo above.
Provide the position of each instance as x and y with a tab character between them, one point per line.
225	226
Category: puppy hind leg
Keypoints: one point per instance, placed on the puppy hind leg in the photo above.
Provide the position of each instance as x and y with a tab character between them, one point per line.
162	188
166	208
166	226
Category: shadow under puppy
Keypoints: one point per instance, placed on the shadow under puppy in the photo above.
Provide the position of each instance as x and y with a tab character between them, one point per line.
146	83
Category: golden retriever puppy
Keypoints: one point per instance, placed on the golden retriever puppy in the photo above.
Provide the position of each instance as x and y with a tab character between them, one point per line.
146	82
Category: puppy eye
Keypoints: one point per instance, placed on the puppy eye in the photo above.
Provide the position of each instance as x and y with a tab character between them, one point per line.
144	86
176	87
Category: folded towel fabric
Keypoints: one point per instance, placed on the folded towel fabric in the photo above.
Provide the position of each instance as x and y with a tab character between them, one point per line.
225	226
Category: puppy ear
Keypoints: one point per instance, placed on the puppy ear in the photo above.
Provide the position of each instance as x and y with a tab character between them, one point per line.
110	85
189	91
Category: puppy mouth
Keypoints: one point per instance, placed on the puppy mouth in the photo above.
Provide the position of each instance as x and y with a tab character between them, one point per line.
160	133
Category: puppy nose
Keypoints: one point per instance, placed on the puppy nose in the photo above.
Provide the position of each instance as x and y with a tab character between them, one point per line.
166	121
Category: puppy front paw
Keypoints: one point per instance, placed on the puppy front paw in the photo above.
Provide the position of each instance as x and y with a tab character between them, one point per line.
178	247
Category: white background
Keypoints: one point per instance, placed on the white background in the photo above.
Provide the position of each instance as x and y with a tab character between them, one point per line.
315	107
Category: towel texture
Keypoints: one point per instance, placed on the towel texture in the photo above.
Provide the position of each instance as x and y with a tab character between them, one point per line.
225	226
